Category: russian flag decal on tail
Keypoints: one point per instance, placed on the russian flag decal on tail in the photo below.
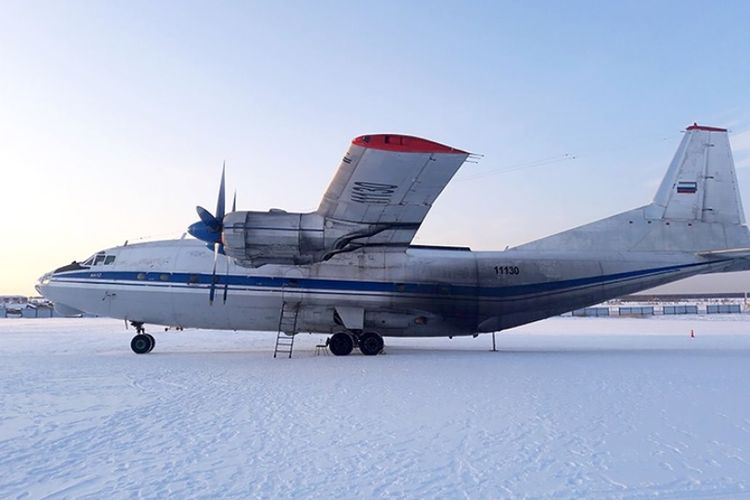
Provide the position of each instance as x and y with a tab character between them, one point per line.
686	187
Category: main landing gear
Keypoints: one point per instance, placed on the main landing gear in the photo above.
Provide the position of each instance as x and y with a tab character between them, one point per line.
369	343
142	343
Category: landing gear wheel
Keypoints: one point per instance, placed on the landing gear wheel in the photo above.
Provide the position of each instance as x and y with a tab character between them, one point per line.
341	344
153	342
370	343
142	343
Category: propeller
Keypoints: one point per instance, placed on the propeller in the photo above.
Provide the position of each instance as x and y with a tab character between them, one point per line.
208	229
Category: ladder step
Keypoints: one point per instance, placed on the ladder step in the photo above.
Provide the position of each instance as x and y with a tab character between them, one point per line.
287	326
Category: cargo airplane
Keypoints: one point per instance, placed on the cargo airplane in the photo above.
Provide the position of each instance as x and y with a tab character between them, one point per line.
349	270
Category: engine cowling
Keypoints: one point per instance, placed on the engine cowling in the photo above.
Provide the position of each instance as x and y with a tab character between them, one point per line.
274	237
279	237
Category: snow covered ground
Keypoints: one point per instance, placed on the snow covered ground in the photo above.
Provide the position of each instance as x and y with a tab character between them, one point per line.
571	407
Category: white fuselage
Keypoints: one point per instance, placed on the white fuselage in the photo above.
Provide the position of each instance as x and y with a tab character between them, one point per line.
416	292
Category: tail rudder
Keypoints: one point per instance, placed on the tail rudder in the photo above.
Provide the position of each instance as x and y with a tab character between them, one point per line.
701	182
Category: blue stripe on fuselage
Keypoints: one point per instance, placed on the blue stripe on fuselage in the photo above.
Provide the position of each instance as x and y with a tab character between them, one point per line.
443	289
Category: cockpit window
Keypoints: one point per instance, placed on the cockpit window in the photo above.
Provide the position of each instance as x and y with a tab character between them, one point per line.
100	259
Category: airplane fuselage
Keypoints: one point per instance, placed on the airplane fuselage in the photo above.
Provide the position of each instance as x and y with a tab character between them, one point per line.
421	292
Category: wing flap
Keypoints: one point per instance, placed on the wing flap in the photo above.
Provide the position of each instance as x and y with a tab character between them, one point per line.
731	253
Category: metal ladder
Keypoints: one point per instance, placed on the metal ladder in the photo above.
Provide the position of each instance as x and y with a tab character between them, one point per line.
287	329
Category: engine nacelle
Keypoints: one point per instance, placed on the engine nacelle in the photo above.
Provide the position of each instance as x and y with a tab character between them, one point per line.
278	237
274	237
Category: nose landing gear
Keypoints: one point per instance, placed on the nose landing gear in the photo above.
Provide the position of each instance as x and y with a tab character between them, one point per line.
142	343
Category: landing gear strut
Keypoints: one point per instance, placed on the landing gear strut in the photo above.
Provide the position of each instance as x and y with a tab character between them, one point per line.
138	325
342	343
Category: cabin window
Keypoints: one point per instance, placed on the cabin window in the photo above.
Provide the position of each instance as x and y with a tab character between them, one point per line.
164	277
193	279
109	260
141	276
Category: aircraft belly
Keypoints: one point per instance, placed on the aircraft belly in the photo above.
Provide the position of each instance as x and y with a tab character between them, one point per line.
387	314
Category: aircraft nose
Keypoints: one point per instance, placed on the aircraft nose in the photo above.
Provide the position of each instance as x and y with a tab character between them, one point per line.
42	282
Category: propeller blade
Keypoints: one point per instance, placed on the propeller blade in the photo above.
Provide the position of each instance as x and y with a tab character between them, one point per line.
208	219
226	281
234	201
220	201
212	290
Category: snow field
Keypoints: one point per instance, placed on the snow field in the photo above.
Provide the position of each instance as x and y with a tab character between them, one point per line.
571	408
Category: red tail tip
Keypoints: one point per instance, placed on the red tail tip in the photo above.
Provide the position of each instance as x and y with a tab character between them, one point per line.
695	126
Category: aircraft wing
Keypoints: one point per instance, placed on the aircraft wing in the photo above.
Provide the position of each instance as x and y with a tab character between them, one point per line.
389	182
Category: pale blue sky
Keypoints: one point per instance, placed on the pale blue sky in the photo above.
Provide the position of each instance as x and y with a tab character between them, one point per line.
115	116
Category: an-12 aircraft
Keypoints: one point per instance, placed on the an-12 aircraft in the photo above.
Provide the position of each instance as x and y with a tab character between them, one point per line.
348	269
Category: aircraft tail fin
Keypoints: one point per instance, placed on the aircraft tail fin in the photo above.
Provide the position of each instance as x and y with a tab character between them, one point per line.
696	209
701	183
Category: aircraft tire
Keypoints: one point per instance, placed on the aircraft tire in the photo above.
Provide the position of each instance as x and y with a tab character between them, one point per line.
142	343
341	344
370	343
153	342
